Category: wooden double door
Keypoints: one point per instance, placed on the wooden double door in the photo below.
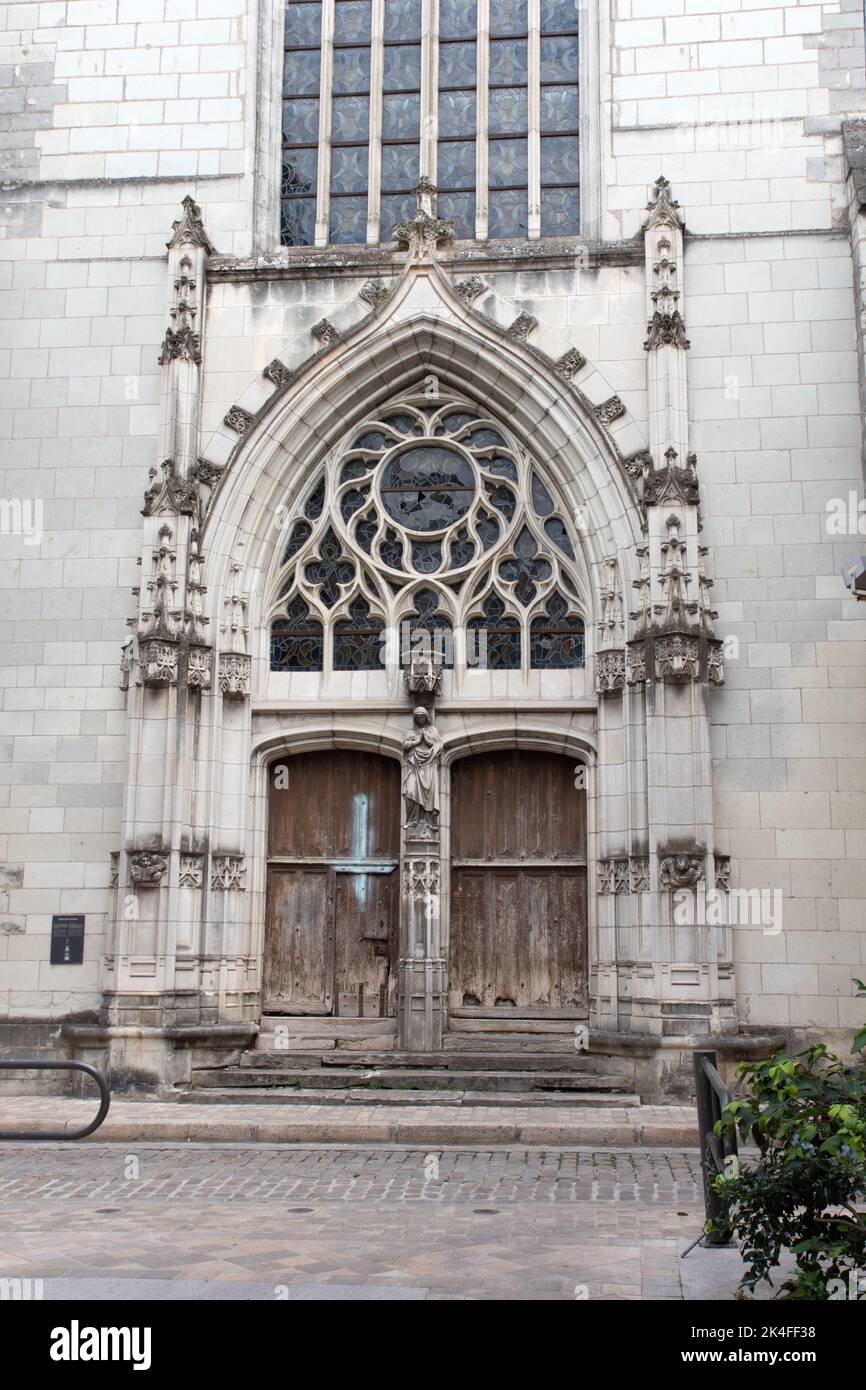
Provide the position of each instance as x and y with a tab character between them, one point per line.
333	884
518	940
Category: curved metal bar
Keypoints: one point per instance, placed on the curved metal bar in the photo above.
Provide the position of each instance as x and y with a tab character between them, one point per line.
104	1099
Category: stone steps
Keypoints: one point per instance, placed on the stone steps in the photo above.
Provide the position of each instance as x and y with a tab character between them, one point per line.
377	1096
427	1079
305	1058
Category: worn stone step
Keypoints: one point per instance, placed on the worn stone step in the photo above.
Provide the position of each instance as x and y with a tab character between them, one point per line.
558	1040
507	1027
360	1095
396	1079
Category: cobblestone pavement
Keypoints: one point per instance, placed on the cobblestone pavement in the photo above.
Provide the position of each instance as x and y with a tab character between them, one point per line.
527	1223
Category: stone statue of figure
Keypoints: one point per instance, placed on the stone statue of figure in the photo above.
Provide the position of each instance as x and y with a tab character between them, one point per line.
421	748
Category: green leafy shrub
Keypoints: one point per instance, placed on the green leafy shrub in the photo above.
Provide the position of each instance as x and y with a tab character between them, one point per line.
807	1116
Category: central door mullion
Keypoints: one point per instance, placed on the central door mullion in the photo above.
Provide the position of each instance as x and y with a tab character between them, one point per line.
332	996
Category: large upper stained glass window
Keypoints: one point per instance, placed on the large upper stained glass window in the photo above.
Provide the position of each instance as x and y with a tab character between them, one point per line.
429	522
479	96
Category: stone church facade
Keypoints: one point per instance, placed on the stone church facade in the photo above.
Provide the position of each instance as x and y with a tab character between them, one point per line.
450	417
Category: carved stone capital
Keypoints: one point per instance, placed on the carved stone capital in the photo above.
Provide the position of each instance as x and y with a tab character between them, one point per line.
609	672
325	332
666	330
470	288
277	372
181	345
613	877
157	661
227	872
570	364
678	658
147	869
423	676
722	875
422	233
636	662
191	871
522	326
239	420
376	293
608	411
199	671
234	676
421	876
681	870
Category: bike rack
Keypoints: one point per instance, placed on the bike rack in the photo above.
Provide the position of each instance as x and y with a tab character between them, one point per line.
104	1099
712	1097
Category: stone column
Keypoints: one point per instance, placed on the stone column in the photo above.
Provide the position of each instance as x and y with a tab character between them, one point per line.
423	997
681	973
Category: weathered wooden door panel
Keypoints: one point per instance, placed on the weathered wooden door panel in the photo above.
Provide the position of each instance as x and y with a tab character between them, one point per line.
364	943
336	804
298	969
331	932
518	909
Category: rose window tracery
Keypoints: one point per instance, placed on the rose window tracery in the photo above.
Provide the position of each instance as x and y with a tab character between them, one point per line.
429	520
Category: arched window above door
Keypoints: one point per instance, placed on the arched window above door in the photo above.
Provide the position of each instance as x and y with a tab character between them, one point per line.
432	522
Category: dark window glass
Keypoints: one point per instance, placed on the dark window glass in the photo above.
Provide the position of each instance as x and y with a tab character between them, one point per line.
394	209
426	556
560	160
558	16
296	641
508	164
560	212
502	498
541	498
555	529
350	118
508	215
456	114
503	467
391	550
525	567
298	221
402	68
559	108
462	550
301	532
365	532
331	571
456	165
508	17
348	221
352	21
401	116
507	111
427	631
400	165
457	18
460	207
315	501
349	169
303	24
488	529
508	62
457	65
299	172
301	72
301	122
556	639
493	640
352	501
351	70
559	60
427	488
402	19
358	639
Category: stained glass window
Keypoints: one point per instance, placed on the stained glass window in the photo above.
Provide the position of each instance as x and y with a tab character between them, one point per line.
429	517
358	639
297	642
556	637
359	89
493	640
